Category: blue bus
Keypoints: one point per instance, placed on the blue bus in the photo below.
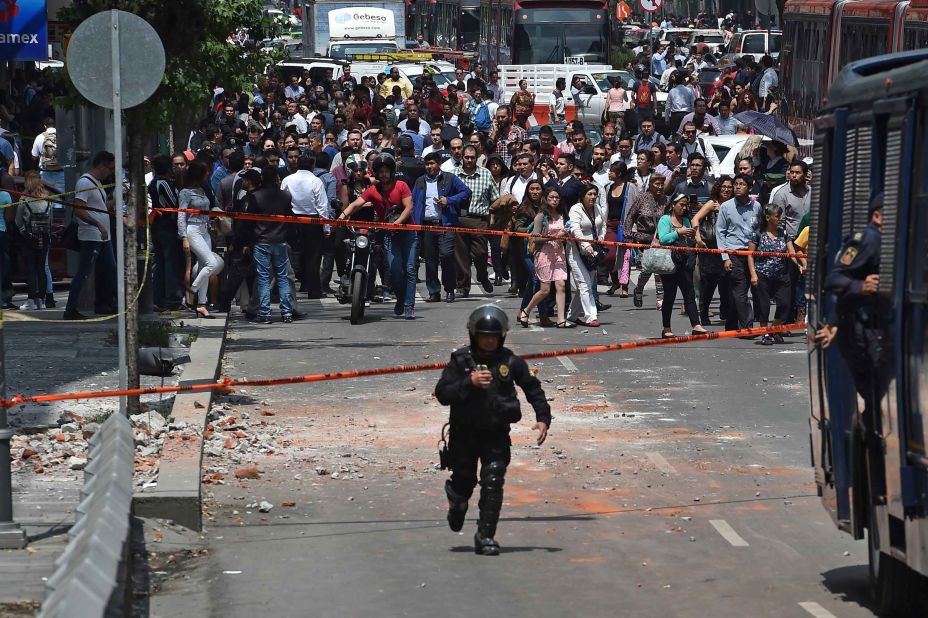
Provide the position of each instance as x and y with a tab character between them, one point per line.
872	137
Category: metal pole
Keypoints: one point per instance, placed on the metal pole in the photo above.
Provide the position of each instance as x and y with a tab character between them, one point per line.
120	233
309	28
11	535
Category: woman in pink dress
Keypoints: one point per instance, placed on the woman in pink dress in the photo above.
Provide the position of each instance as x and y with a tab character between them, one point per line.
550	257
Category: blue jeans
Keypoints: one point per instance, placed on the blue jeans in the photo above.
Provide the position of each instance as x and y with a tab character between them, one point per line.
402	256
91	251
531	285
55	179
274	256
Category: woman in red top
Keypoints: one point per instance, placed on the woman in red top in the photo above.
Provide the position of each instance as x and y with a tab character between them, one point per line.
392	200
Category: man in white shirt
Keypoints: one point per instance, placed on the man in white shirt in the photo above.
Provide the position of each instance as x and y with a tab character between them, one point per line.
412	112
514	186
624	154
45	154
600	171
309	199
692	143
93	231
436	144
293	116
769	79
457	156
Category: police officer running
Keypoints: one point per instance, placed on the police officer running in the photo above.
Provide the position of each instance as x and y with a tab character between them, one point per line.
479	385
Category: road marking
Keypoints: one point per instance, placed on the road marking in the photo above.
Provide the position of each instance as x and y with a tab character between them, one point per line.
662	464
816	610
568	364
728	533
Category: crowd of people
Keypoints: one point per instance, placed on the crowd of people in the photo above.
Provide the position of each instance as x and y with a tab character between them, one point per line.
389	149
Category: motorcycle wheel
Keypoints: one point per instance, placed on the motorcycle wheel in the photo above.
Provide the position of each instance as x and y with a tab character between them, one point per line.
358	294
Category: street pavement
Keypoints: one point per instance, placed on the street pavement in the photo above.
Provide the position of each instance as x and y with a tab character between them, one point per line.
675	481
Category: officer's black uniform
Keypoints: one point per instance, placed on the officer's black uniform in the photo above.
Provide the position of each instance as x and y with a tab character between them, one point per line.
862	320
480	419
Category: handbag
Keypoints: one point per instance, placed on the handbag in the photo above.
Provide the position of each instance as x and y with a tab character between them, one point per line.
592	262
658	261
69	239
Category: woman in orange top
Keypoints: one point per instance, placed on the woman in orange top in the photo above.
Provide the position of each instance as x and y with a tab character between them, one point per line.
523	102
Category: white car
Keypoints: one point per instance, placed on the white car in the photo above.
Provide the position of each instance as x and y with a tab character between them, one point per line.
290	20
727	148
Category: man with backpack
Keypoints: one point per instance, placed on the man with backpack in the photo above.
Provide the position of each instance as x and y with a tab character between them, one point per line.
479	111
45	155
645	98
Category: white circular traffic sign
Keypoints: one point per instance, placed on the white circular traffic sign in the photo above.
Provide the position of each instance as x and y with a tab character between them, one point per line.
650	5
90	58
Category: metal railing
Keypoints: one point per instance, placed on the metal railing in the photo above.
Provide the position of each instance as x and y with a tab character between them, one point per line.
91	576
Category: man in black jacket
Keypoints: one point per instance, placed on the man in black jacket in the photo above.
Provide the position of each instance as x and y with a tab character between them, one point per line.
479	384
270	246
239	263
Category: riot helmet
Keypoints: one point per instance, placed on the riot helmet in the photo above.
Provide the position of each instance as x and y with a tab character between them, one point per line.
488	319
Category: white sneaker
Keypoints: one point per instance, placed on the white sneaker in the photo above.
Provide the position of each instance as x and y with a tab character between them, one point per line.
27	306
39	303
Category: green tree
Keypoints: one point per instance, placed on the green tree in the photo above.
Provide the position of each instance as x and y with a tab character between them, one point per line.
198	57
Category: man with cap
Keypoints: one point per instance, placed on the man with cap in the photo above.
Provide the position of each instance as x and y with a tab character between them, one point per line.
862	324
479	385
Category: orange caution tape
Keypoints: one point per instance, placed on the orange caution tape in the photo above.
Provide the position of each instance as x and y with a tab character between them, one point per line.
227	385
304	220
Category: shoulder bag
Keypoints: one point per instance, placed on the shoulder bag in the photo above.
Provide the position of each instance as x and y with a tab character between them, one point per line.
592	262
658	260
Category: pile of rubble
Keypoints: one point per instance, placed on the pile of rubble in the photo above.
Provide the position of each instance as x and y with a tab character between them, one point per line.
63	449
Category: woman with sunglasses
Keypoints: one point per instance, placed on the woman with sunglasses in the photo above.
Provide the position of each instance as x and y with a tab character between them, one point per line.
711	273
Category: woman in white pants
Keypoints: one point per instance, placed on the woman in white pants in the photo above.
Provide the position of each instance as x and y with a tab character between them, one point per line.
194	231
586	223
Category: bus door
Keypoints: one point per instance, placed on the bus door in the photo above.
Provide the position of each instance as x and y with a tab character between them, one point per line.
839	207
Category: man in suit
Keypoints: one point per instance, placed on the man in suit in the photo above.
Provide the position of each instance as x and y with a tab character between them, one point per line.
569	187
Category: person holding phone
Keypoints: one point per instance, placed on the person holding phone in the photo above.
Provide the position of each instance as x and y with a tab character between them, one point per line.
675	230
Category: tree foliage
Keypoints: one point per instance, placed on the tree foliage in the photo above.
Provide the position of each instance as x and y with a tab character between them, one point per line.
198	56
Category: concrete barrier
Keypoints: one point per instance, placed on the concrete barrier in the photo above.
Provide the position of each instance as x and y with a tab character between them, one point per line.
90	576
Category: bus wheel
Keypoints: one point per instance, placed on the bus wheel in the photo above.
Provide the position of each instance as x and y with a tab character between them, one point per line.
897	590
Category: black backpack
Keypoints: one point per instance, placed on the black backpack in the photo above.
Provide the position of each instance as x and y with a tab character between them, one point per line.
37	228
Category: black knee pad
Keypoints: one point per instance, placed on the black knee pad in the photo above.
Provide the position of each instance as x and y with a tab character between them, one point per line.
493	475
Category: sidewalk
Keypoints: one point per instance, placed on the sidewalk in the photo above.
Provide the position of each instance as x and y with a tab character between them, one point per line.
50	441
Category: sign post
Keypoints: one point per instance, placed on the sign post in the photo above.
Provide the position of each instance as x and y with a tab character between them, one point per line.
650	6
116	60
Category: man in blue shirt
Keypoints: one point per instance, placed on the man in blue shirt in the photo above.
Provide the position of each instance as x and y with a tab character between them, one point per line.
659	61
436	199
734	228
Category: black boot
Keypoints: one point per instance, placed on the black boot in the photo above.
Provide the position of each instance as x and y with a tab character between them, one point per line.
484	545
490	503
457	508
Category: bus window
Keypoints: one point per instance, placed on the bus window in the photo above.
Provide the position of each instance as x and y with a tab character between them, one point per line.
470	29
916	36
775	42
